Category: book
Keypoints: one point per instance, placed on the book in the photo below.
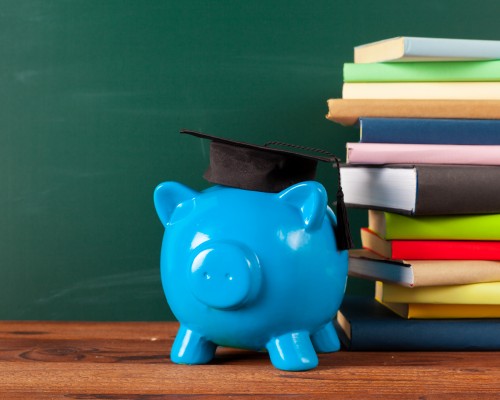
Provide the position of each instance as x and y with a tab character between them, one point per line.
455	71
430	131
421	273
423	90
473	293
431	249
443	311
440	227
399	153
348	111
414	189
404	48
363	324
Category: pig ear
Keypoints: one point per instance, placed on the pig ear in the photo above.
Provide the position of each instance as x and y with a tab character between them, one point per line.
310	199
167	196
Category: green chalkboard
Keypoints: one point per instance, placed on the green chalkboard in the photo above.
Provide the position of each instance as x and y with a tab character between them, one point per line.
94	92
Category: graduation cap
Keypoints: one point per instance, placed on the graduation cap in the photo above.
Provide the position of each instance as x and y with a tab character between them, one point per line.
270	169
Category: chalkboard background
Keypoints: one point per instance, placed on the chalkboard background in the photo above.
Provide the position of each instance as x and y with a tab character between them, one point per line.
93	94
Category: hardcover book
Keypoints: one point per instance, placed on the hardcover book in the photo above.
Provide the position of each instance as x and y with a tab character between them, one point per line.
474	293
423	90
456	71
443	311
397	153
431	249
363	324
430	131
423	189
440	227
421	273
348	111
405	48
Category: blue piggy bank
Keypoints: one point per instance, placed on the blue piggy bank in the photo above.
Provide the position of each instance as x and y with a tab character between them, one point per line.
251	270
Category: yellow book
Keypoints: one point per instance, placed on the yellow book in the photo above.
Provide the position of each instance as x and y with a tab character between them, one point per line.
476	293
443	311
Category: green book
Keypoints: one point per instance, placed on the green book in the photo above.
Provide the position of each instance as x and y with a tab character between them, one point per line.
442	227
448	71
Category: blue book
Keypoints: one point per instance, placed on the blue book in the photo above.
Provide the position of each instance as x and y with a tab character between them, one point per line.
366	325
430	131
405	48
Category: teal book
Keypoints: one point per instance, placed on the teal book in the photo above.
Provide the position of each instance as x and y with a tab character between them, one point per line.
366	325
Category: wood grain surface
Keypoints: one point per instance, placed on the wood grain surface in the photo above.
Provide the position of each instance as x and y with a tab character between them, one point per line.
52	360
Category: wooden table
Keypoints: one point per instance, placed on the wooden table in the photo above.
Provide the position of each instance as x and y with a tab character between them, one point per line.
88	360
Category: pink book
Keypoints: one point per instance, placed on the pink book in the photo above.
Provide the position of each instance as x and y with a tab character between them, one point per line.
389	153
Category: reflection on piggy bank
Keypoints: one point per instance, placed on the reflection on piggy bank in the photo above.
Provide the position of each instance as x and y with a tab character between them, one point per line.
251	270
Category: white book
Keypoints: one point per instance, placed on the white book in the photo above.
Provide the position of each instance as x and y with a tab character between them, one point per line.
423	90
405	48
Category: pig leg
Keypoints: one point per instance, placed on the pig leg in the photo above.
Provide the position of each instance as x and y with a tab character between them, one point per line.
326	340
191	348
292	352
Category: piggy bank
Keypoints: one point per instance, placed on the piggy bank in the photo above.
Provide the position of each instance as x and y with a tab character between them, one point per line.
251	270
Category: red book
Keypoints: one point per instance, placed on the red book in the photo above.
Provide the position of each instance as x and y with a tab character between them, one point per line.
430	249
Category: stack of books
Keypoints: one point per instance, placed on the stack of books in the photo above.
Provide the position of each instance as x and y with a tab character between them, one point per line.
427	168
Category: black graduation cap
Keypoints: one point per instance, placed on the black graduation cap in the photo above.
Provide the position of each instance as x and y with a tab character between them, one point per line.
269	169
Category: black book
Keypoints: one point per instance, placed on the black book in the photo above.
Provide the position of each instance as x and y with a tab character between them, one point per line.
423	189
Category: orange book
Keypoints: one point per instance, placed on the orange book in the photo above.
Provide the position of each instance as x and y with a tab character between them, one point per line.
348	111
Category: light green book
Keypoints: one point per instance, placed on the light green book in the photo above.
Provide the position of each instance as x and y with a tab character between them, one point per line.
442	227
448	71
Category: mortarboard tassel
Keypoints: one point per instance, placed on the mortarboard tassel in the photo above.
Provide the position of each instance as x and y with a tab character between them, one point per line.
343	231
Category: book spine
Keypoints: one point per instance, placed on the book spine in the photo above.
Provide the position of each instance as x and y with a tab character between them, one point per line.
450	311
348	111
458	189
464	227
442	311
445	250
459	71
451	48
423	90
396	153
364	324
475	293
430	131
396	249
417	335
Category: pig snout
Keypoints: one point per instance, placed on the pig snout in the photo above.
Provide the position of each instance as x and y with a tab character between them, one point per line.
225	275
